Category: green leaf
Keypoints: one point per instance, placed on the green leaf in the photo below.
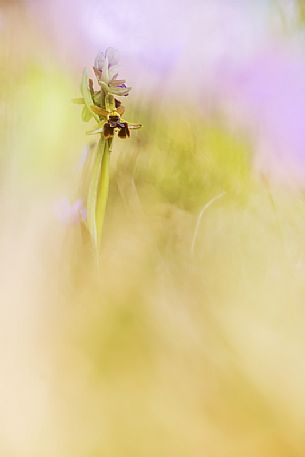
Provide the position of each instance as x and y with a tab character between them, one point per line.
98	193
93	191
102	195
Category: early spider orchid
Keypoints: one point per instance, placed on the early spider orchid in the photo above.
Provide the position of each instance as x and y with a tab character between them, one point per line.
102	106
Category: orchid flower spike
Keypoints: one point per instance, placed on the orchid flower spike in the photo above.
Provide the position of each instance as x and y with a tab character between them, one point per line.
105	69
102	106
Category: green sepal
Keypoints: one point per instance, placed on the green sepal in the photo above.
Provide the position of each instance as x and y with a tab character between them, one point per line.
87	95
78	101
99	128
109	102
120	91
86	114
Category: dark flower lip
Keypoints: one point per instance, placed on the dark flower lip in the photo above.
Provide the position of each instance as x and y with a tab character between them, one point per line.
111	126
124	131
108	130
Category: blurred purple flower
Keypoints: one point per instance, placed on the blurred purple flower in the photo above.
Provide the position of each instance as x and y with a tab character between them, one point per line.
70	213
269	92
186	36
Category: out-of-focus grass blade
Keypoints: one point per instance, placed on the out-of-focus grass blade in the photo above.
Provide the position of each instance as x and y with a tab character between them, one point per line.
87	95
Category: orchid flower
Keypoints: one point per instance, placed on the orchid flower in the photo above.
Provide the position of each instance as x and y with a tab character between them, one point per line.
106	110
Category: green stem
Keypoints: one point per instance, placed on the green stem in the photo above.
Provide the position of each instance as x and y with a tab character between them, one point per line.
99	182
102	195
98	193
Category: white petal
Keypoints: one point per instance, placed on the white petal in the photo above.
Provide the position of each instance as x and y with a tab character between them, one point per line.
113	70
113	56
100	61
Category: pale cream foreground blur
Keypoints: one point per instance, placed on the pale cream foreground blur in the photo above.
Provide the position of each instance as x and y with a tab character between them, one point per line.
161	352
